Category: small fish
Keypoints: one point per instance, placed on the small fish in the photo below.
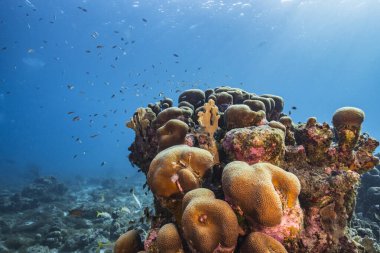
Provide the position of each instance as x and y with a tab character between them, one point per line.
125	210
95	35
75	156
103	163
88	51
76	118
175	55
114	46
30	50
294	108
99	46
103	215
70	113
77	212
82	9
94	135
70	86
113	66
137	200
144	20
105	247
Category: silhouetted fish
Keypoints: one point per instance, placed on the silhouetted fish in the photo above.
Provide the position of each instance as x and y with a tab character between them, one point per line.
82	9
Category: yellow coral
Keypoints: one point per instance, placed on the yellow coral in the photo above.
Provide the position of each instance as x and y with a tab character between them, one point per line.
209	123
209	119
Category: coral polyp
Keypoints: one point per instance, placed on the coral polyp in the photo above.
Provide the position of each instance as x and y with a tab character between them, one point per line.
230	172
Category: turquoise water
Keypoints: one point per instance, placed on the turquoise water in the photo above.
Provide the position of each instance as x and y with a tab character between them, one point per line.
73	72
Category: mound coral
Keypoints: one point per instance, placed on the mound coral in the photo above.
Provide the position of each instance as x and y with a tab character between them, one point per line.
265	195
261	243
237	116
172	133
130	242
236	174
255	144
209	224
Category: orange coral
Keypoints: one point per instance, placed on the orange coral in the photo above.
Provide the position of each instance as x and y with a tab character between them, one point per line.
169	240
237	116
129	242
172	133
261	243
163	177
209	224
254	190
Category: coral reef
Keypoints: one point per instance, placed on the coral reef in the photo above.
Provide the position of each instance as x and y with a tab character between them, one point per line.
245	178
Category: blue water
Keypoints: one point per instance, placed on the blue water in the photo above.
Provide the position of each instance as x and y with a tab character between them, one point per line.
110	57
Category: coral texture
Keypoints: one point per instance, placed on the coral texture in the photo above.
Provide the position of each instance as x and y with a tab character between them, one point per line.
247	178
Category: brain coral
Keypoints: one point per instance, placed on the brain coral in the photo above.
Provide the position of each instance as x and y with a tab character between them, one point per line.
165	171
168	239
237	116
209	224
172	133
261	243
247	203
260	191
130	242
